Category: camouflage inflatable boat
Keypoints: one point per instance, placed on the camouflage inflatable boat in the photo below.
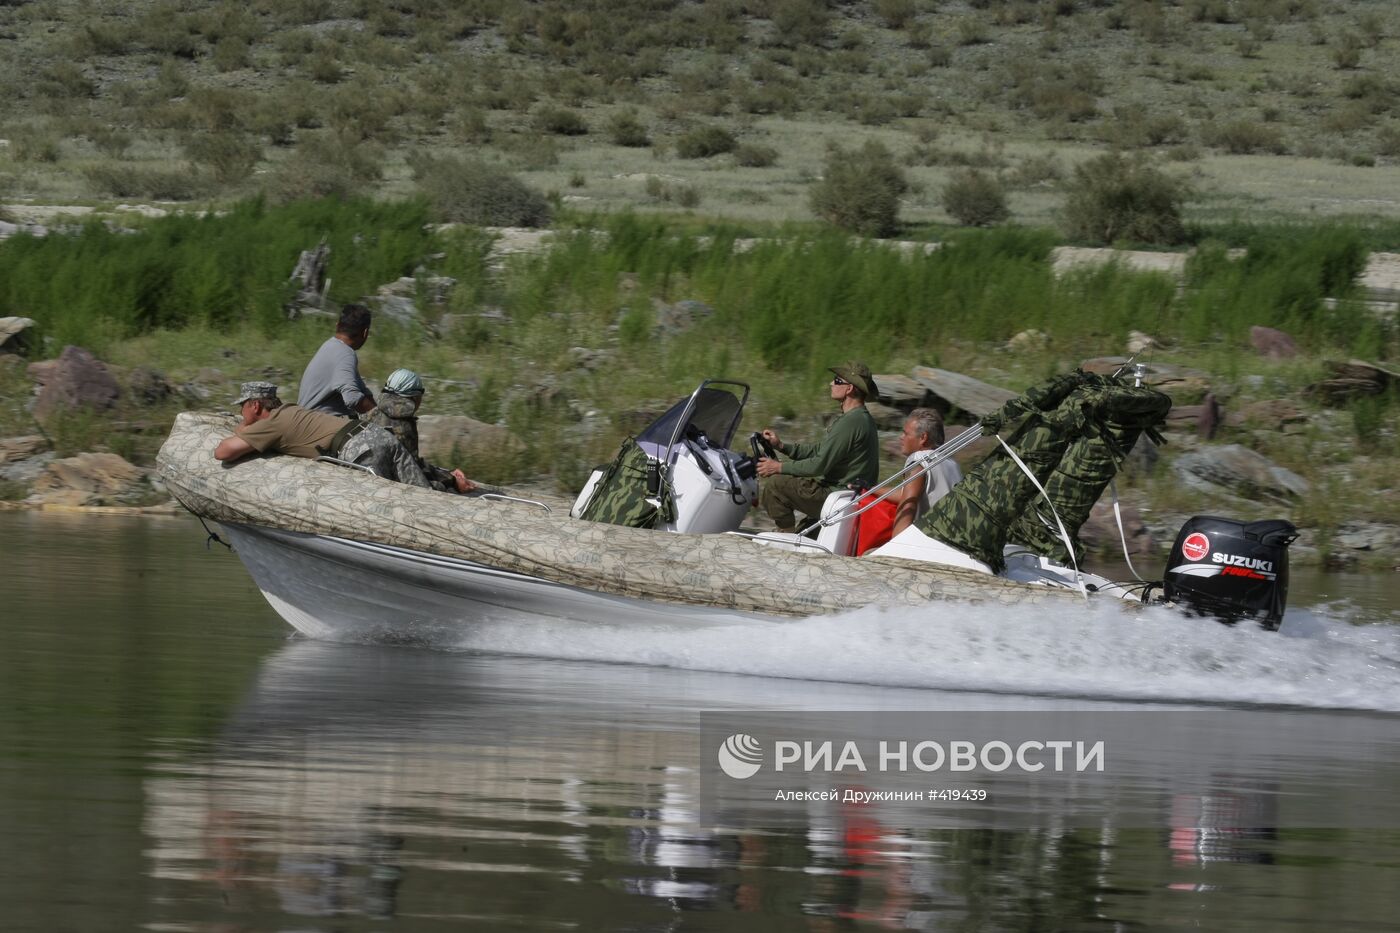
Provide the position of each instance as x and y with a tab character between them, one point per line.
342	553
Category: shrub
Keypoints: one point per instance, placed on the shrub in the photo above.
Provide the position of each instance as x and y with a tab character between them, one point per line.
682	195
229	156
859	190
64	80
896	14
705	141
975	199
225	270
471	192
231	54
1037	170
1242	137
560	121
140	181
326	165
625	129
800	23
1388	140
972	30
1346	54
34	146
753	155
324	68
108	139
1113	198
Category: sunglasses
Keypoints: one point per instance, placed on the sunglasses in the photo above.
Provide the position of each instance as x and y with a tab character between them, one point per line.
838	381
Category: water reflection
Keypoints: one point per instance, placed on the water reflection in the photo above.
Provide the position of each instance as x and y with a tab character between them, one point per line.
438	789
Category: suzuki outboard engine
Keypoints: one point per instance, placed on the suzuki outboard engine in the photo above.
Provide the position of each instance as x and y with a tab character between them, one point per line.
1231	570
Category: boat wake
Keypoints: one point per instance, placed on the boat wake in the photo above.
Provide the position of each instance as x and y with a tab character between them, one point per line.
1319	659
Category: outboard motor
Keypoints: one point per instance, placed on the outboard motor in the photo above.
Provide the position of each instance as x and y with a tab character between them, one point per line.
1231	570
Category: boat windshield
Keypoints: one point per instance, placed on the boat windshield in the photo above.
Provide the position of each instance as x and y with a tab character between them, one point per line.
716	413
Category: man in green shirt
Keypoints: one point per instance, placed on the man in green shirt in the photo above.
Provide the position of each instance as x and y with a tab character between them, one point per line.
849	454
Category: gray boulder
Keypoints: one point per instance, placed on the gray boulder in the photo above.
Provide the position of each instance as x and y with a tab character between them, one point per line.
1099	533
1241	471
28	470
77	379
954	390
1269	413
902	392
438	435
148	386
13	449
90	479
672	319
1367	536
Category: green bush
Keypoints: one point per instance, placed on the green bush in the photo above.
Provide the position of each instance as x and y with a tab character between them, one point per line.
127	180
231	54
560	121
799	23
896	14
1284	279
975	199
223	271
64	81
1113	197
326	165
1242	137
34	145
859	190
462	191
668	193
229	156
626	129
1346	53
705	141
753	155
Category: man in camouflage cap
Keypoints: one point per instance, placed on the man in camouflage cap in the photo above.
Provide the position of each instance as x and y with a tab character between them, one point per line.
397	413
269	426
848	455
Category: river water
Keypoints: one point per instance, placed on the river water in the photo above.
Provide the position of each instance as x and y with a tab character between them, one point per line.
172	759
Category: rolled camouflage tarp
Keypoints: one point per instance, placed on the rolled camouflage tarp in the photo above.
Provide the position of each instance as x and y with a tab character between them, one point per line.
725	571
1122	413
977	516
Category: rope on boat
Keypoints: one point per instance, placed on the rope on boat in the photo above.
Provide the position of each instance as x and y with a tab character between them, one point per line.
213	536
1123	535
1064	534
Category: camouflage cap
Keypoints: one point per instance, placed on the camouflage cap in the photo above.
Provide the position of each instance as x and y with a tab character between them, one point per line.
858	375
252	390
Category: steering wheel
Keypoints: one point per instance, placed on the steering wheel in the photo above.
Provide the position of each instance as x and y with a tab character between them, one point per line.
761	447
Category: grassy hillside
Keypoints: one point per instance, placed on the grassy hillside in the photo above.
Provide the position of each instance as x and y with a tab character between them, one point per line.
1267	107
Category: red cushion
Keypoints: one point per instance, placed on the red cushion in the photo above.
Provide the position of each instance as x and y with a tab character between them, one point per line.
875	526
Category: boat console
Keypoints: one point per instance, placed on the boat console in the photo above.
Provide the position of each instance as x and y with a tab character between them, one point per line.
688	475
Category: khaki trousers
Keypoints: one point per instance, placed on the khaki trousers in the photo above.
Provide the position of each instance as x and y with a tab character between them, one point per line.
780	495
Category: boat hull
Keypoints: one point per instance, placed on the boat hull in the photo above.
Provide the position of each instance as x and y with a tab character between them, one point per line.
336	588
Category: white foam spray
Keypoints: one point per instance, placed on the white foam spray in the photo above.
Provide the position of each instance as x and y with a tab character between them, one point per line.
1319	659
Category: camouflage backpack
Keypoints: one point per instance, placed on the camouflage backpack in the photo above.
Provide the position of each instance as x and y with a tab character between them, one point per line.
621	496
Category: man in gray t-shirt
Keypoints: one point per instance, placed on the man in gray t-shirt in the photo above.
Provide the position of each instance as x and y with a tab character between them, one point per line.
332	383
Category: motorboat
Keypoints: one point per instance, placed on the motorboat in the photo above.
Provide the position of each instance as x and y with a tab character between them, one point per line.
657	536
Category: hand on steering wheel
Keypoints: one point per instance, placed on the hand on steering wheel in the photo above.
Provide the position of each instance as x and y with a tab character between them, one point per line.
762	448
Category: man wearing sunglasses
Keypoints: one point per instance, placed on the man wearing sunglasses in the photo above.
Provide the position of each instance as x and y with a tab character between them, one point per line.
848	455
